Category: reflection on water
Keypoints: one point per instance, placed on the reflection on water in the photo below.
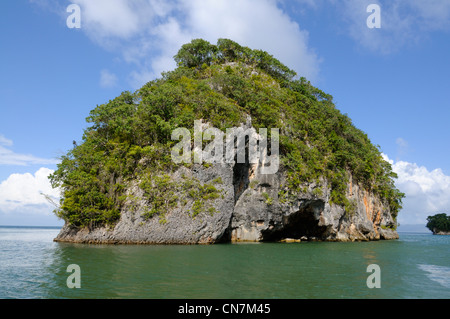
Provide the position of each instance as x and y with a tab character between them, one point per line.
35	267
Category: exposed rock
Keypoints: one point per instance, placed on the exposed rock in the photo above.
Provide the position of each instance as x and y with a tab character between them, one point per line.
178	227
440	232
290	240
248	210
308	216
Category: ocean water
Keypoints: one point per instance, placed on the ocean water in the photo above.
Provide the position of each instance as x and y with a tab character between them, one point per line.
32	266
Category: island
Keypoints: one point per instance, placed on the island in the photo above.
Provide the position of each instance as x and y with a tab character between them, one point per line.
137	176
439	224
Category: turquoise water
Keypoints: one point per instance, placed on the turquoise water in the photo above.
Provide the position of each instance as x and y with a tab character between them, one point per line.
33	266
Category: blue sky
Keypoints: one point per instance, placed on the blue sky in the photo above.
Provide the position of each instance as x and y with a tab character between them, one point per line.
392	81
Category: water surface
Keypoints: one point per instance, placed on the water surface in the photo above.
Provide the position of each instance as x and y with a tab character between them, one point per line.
33	266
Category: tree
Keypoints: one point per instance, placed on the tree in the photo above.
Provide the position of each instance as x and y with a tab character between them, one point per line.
438	222
230	51
195	54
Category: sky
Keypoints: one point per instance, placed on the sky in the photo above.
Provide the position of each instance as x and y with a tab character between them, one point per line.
392	79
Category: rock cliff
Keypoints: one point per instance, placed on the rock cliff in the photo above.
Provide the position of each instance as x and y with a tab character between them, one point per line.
251	208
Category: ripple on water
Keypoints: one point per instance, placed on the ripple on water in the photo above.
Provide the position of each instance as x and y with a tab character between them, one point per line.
439	274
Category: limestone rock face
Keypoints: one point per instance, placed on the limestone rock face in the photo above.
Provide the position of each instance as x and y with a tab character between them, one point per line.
440	232
178	225
261	215
249	209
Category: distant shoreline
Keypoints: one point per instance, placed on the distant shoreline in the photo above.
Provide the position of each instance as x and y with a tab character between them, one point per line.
413	228
42	227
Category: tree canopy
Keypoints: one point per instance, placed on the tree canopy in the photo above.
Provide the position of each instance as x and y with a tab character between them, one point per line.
438	222
200	52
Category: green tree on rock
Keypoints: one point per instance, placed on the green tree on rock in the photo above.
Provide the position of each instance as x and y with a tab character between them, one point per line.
439	223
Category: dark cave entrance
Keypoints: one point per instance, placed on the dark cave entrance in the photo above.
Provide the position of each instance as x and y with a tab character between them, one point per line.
241	170
301	224
240	179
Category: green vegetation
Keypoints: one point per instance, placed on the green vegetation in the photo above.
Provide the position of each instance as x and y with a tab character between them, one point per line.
350	207
390	227
161	191
253	184
438	222
130	136
269	200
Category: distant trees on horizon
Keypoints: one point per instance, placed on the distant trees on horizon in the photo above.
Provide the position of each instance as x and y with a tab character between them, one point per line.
438	222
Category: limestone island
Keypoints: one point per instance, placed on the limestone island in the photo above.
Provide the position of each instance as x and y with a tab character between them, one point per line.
148	170
439	224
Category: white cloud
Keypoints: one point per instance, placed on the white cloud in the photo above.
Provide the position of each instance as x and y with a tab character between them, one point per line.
9	157
427	192
149	33
21	193
310	3
257	24
403	22
113	18
107	79
4	141
431	14
394	31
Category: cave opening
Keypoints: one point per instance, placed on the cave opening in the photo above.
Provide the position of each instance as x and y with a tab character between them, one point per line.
241	170
240	179
299	225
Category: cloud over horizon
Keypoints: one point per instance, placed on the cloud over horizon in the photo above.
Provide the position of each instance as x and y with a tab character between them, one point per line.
23	193
427	192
